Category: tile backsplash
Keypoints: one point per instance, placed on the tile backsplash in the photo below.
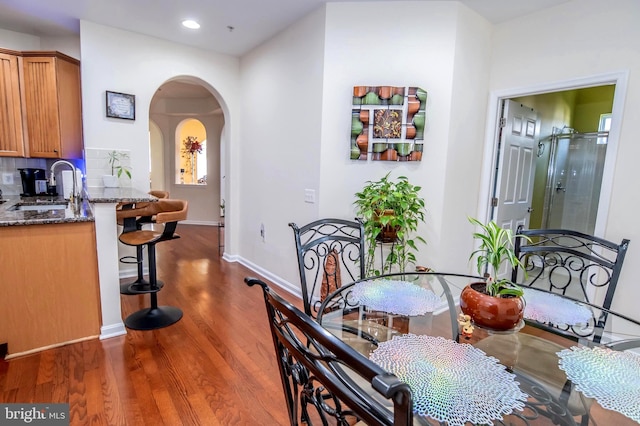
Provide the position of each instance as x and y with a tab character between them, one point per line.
96	164
9	171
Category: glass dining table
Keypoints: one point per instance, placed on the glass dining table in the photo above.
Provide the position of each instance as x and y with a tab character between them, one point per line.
566	363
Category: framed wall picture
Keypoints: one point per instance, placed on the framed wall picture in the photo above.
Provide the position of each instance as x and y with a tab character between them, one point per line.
121	105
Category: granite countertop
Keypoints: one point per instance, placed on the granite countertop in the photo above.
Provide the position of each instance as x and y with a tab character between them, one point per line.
117	195
43	215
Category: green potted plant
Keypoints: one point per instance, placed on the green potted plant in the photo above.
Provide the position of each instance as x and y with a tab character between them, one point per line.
495	303
114	159
391	212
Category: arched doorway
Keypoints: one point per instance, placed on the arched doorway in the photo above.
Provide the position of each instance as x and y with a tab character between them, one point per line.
176	102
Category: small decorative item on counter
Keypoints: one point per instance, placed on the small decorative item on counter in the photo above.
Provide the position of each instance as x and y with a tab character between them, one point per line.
115	158
117	169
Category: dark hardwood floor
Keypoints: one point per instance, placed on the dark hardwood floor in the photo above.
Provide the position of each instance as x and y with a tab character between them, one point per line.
216	366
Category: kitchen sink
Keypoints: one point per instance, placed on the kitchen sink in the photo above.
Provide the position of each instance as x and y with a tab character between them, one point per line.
39	207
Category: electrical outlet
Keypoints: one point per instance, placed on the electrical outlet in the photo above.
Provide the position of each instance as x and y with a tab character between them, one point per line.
262	232
7	178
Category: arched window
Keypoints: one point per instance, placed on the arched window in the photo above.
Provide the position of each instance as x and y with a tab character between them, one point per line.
191	153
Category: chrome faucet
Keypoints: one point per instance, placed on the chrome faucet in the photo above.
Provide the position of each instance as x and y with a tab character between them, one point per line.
74	198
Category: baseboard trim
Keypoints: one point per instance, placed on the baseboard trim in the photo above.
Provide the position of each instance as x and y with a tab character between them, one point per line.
198	222
283	284
44	348
113	330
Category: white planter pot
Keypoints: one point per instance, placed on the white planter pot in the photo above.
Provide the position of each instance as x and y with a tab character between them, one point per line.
110	181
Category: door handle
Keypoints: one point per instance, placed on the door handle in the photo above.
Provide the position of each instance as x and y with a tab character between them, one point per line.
530	210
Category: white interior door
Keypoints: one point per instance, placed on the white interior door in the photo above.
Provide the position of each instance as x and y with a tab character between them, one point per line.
515	172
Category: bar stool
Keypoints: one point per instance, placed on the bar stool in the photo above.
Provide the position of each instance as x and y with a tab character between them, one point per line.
168	212
129	223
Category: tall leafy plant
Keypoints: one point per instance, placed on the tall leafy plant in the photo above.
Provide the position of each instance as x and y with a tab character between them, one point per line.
395	205
496	248
117	169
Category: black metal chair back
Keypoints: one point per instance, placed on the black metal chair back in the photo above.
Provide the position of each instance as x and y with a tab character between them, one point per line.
331	252
313	367
572	263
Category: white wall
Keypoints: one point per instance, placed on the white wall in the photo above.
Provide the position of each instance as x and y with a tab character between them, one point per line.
18	41
580	39
441	47
432	45
452	245
67	45
281	133
127	62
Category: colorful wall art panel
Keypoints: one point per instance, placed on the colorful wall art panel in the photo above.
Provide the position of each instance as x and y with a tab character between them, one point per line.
387	123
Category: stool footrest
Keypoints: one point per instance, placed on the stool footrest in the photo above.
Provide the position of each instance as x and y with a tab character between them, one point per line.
153	318
130	259
140	287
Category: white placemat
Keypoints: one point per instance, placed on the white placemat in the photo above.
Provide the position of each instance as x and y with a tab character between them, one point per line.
395	297
611	377
551	308
451	382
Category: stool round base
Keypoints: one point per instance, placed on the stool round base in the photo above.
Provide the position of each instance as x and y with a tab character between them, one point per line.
140	287
153	318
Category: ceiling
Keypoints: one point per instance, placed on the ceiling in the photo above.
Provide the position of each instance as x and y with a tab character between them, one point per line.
227	26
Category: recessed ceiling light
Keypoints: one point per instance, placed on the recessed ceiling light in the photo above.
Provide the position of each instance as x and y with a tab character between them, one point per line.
191	24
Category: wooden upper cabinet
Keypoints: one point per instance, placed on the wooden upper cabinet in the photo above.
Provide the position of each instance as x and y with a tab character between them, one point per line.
51	105
11	143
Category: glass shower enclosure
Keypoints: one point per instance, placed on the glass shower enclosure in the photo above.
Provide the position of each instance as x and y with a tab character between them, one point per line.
574	179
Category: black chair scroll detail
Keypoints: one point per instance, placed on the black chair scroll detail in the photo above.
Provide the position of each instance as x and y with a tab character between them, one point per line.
312	364
168	212
574	264
330	252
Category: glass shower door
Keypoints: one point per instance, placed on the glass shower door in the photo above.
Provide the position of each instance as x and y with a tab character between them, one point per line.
576	171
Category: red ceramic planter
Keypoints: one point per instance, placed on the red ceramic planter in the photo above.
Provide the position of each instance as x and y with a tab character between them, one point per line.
496	313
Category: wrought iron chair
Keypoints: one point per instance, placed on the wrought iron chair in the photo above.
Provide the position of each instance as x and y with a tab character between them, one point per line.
574	264
330	252
313	367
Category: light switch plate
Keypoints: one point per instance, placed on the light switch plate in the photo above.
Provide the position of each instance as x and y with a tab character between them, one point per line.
309	196
7	178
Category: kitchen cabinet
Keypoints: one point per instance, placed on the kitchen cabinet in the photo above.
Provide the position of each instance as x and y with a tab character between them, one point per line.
51	105
11	141
49	291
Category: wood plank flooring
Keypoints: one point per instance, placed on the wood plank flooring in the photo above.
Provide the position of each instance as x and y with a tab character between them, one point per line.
216	366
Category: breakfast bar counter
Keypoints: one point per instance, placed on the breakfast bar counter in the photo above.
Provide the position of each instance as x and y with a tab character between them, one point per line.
42	211
104	201
60	269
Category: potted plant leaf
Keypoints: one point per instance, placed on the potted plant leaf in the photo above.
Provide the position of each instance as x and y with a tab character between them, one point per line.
114	159
496	303
391	211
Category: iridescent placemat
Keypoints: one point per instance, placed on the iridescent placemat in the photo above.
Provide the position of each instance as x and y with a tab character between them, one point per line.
451	382
395	297
551	308
611	377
